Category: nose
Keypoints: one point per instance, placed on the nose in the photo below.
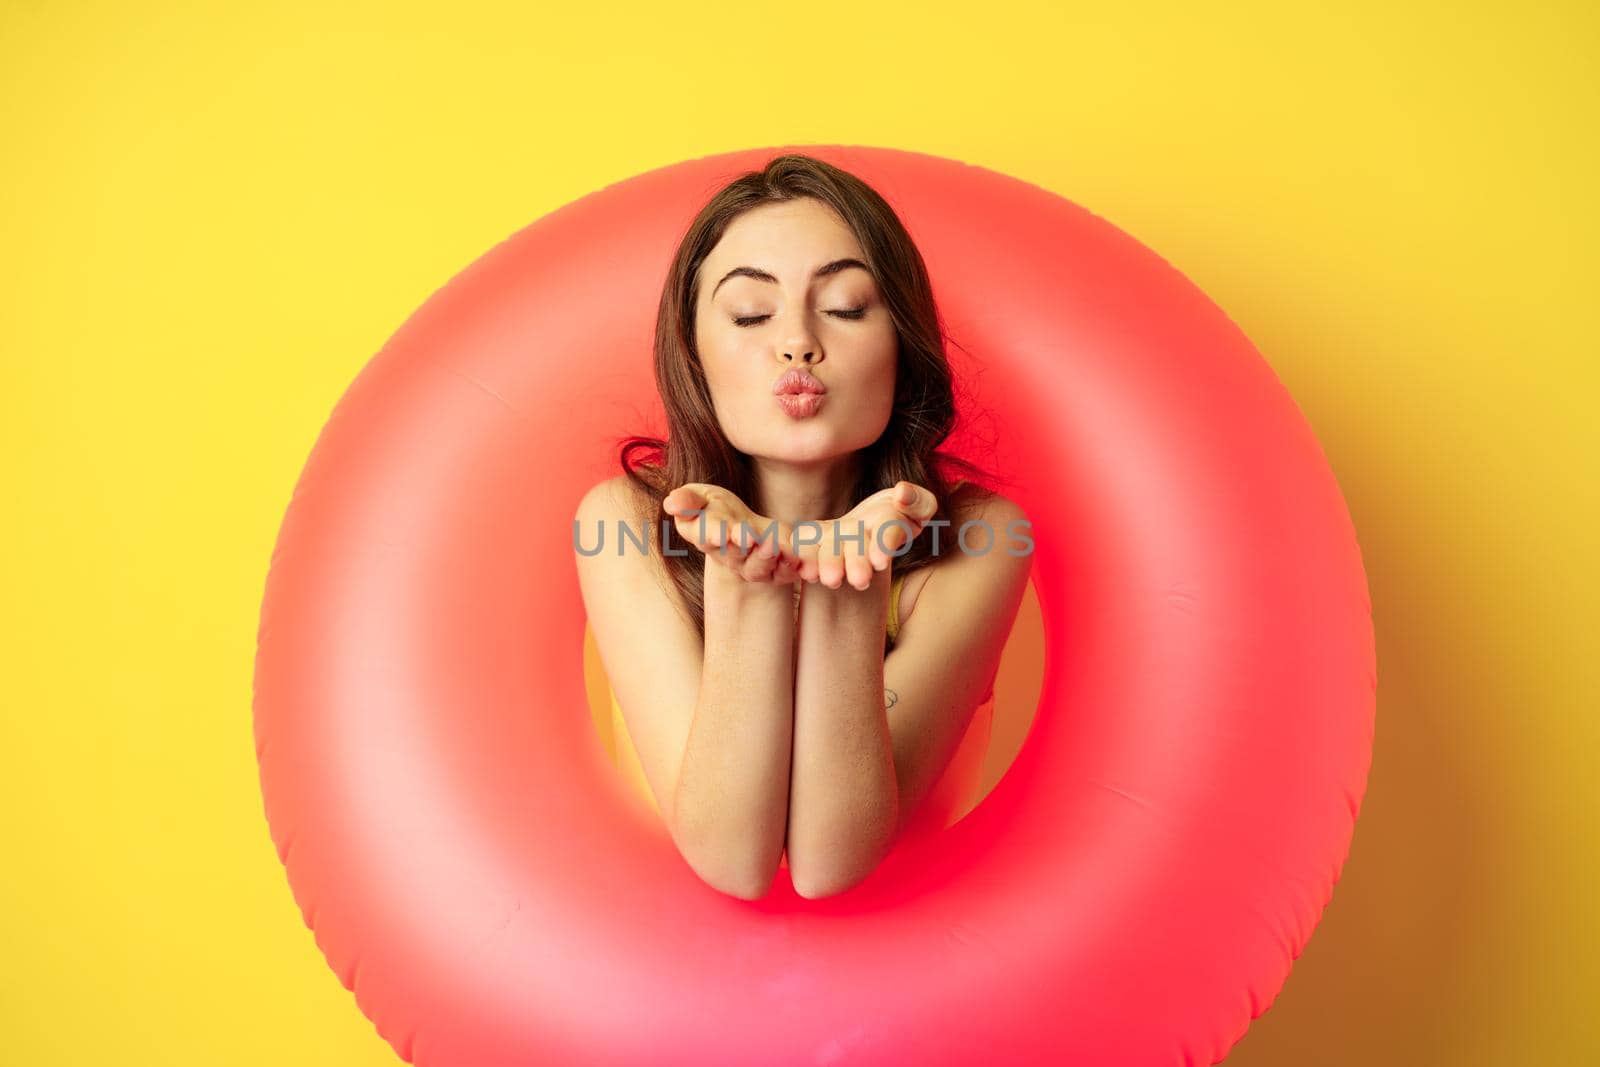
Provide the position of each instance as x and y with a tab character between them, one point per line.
799	342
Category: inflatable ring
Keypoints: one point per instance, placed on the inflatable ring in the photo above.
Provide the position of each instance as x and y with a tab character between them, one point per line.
1133	891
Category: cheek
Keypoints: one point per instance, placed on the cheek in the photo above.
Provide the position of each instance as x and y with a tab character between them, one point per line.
742	371
887	361
736	379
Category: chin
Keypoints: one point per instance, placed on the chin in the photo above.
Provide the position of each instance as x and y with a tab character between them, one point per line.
804	443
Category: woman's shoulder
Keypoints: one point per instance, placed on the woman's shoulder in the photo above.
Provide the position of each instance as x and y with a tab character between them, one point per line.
604	510
966	502
971	501
618	498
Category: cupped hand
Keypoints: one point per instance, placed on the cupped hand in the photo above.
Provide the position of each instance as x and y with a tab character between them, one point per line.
899	512
732	535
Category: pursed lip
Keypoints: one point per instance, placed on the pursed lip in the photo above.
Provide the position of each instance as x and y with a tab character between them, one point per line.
797	381
800	405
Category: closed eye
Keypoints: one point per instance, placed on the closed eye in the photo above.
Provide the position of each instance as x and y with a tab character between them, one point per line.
843	313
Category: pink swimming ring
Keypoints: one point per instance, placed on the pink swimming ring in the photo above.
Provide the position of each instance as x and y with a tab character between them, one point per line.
1133	891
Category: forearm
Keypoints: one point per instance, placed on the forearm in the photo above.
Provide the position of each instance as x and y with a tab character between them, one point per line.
843	793
731	802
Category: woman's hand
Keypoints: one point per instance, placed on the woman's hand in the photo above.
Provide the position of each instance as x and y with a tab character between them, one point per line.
722	526
900	512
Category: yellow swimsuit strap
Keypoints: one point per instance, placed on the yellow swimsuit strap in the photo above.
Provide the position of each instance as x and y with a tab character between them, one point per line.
894	606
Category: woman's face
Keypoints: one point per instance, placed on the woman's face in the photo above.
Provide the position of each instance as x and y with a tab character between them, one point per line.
785	296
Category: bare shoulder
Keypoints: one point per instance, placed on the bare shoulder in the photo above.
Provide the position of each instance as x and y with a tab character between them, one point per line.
649	648
988	540
947	655
617	498
974	503
616	547
984	525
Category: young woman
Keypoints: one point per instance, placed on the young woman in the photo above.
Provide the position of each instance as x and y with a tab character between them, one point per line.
800	648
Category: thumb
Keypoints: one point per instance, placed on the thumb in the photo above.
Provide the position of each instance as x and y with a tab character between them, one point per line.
915	501
684	498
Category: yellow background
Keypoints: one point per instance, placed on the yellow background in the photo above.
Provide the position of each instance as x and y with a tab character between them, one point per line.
213	215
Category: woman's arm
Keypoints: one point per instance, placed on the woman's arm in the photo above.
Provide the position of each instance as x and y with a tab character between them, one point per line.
732	795
843	795
862	769
710	717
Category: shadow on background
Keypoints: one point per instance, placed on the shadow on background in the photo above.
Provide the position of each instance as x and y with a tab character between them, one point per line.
1408	962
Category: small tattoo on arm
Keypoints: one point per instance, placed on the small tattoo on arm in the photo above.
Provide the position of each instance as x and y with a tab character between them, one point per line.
890	699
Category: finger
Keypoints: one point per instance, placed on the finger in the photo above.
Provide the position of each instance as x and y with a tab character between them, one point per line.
886	537
826	555
803	556
778	547
760	562
739	534
763	546
736	543
690	532
718	530
732	557
913	501
877	559
858	559
786	561
763	537
799	568
830	568
858	570
892	536
715	557
697	522
741	528
895	536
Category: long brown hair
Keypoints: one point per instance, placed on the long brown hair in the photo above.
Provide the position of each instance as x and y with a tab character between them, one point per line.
696	450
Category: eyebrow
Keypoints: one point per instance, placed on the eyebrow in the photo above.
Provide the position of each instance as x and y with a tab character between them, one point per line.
762	276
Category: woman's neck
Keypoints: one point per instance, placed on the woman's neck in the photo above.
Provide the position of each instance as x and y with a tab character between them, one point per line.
792	493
